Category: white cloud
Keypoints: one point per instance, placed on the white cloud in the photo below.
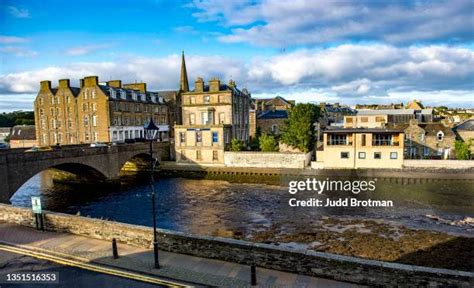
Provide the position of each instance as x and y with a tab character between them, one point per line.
12	39
17	51
346	73
18	12
86	49
282	23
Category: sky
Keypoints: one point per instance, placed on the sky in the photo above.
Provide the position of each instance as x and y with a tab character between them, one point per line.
310	51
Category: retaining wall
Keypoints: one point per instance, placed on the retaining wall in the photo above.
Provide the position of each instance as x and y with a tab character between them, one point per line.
343	268
445	164
267	159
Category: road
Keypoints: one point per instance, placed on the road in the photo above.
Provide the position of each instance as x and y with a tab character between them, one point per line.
69	277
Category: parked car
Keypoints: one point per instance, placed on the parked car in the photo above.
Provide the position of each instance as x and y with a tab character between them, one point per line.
4	146
98	144
129	141
39	149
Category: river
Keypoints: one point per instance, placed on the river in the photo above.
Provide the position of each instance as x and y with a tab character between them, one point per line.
216	207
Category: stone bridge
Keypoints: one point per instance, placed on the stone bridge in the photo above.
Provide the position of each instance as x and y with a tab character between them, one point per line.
17	167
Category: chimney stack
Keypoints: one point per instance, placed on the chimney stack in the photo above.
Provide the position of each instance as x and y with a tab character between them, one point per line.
81	83
136	86
214	85
114	83
199	85
45	85
64	83
91	81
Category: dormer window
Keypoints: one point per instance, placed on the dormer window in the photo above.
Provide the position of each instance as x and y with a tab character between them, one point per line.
123	94
160	99
113	93
153	98
134	96
143	98
440	136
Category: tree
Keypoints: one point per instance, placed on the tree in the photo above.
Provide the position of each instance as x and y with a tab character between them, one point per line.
255	143
236	145
462	150
268	143
299	130
17	118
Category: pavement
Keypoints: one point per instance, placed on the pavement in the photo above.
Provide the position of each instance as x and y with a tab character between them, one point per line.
137	263
67	276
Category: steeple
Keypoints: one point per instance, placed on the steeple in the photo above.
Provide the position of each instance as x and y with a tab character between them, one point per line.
183	83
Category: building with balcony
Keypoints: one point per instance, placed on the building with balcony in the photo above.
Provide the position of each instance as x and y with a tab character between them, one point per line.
211	116
360	148
96	112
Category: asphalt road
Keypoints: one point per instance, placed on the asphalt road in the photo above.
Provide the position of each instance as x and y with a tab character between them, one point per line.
69	277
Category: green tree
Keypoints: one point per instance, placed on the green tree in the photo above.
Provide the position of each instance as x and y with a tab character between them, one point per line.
255	143
299	131
268	143
462	150
236	145
17	118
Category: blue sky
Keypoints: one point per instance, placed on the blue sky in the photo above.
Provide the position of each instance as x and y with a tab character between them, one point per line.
312	51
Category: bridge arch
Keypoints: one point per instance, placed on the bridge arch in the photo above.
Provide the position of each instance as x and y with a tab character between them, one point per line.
135	162
83	172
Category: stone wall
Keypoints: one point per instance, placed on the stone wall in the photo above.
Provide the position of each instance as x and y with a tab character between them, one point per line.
445	164
267	159
343	268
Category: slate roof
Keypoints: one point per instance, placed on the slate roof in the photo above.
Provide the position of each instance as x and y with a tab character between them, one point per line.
23	132
433	128
467	125
273	114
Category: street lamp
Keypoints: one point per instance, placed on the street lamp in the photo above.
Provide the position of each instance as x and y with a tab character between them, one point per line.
151	133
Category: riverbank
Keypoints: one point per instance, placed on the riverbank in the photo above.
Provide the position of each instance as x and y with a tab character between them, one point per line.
300	261
173	168
376	240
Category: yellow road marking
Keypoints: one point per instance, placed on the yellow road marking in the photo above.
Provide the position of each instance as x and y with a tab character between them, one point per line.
87	266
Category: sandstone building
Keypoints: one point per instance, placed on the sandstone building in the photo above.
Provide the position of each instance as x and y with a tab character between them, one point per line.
96	112
212	115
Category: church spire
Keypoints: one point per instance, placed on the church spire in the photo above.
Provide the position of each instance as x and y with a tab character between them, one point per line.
183	84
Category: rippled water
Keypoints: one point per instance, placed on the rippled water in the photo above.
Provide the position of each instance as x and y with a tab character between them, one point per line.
216	207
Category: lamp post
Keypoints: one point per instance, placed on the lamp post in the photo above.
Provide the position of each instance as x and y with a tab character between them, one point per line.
151	132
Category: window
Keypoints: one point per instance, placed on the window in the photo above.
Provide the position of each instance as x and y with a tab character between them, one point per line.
274	128
198	155
40	100
86	137
363	140
94	106
182	137
221	98
93	94
207	99
364	119
215	156
41	112
192	119
361	155
198	136
440	136
426	151
393	155
221	118
382	140
349	119
85	94
192	100
84	107
338	139
344	155
183	155
204	118
68	99
215	137
377	155
86	120
94	120
379	119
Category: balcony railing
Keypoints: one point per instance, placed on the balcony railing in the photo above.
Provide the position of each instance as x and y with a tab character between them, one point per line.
384	142
339	142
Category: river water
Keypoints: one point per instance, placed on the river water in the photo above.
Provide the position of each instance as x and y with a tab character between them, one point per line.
222	208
